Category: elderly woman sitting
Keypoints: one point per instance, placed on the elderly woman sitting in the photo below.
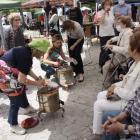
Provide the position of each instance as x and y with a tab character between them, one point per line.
124	89
121	49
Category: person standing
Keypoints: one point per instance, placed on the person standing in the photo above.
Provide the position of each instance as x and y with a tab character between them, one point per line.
138	15
75	39
14	34
74	13
53	22
61	16
106	32
15	65
121	9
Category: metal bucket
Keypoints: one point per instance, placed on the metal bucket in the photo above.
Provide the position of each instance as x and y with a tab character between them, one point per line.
65	75
48	99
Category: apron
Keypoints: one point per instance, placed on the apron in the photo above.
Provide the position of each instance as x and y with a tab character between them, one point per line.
9	80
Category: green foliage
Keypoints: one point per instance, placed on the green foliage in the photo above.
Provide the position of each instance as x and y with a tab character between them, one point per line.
7	12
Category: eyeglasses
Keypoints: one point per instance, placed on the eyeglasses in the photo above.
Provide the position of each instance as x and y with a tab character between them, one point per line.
71	5
17	19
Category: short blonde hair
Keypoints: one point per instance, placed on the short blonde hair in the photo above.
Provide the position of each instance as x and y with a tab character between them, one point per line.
12	16
104	1
36	53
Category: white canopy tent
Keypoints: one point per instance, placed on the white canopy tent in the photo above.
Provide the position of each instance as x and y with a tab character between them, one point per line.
86	8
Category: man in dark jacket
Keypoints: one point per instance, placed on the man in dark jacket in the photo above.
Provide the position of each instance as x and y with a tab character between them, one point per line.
74	13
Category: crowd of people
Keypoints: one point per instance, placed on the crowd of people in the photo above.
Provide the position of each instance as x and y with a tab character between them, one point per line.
116	108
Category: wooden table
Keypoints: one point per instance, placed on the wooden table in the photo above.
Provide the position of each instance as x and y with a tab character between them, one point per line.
88	26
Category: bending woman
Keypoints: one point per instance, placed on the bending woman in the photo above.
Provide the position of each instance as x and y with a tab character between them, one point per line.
15	65
124	89
75	39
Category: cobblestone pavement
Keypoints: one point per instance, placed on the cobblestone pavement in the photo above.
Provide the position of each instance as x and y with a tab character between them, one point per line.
78	107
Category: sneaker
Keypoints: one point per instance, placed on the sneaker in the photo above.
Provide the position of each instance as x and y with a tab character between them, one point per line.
30	109
17	129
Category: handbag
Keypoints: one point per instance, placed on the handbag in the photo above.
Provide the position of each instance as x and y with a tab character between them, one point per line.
113	97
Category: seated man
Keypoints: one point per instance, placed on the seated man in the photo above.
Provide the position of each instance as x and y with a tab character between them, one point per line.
121	49
127	121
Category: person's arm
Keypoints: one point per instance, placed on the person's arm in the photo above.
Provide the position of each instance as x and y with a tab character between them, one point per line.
60	19
33	75
80	16
52	19
7	40
63	55
123	49
102	18
137	18
22	78
60	15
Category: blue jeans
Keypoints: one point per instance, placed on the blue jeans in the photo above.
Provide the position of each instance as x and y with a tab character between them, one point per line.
15	103
112	114
49	70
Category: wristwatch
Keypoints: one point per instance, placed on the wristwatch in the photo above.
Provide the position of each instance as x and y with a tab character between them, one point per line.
126	130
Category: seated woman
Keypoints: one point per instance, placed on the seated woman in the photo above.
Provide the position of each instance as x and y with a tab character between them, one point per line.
124	89
15	65
124	25
50	59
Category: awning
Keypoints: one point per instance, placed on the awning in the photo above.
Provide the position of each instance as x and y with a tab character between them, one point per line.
40	3
39	13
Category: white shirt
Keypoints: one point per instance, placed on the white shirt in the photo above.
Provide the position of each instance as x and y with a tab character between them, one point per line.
60	14
106	29
77	32
3	20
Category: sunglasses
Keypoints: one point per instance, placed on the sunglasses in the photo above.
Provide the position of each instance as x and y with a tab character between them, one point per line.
17	20
71	5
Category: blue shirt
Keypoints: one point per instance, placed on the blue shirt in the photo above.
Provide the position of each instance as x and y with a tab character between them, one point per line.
20	58
124	10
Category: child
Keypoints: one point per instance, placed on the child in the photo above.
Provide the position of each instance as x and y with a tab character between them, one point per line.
50	59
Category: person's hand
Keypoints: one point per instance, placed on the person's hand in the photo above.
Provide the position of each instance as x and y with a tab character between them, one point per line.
121	76
57	64
117	13
106	47
72	47
108	42
114	128
66	40
110	90
40	82
107	8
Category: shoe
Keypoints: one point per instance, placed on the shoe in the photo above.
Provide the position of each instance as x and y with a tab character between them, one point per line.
30	109
80	81
17	129
75	76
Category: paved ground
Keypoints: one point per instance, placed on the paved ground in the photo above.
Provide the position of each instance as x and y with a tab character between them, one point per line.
78	107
